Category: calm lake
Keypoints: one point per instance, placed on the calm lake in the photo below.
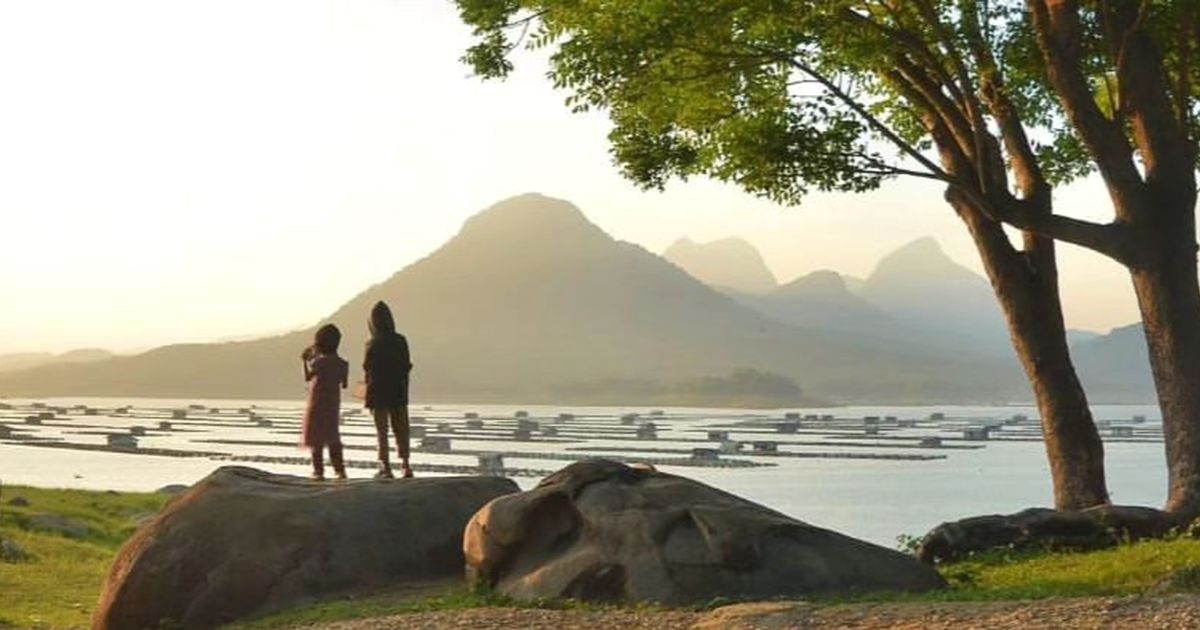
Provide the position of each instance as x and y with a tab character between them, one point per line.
871	472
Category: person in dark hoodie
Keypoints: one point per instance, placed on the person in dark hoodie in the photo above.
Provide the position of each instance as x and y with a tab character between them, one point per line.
387	366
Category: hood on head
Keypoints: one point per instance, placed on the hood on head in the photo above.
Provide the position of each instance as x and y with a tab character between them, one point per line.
381	322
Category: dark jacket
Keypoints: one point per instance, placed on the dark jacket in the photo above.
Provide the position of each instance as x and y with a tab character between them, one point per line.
387	362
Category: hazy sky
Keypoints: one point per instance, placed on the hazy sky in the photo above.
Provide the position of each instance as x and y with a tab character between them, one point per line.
186	171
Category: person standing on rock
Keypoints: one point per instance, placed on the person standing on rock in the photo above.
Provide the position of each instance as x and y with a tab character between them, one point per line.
327	375
387	366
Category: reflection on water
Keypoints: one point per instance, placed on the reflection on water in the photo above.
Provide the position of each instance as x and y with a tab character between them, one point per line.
872	499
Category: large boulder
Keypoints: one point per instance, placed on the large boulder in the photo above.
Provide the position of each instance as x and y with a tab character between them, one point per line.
1042	528
244	541
602	531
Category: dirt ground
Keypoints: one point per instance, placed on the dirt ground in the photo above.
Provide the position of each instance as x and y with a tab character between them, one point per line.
1167	613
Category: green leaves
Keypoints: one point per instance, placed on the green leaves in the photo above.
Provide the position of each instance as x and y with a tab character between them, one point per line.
694	87
787	96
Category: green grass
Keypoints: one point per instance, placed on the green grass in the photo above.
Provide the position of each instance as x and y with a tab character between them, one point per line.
60	585
1125	570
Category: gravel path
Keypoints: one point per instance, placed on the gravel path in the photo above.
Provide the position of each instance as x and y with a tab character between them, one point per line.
1169	613
531	619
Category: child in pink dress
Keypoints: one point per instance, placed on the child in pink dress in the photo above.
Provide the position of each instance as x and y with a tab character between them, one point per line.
327	375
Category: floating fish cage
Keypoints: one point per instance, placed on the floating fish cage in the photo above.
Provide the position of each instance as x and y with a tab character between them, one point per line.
123	441
976	434
491	463
436	444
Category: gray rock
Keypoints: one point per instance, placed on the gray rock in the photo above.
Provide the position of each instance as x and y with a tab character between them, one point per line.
141	519
602	531
1042	528
18	501
60	524
174	488
243	541
1185	580
11	552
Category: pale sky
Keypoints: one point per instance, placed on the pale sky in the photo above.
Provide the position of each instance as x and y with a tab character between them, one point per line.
188	171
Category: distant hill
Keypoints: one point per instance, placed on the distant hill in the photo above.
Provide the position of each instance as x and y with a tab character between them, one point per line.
949	305
1075	336
531	302
1118	362
820	300
25	360
729	263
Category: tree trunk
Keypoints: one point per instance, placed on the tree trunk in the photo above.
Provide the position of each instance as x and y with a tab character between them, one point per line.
1169	298
1026	285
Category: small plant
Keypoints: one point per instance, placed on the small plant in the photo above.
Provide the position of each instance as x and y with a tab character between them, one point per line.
1186	580
1192	529
908	543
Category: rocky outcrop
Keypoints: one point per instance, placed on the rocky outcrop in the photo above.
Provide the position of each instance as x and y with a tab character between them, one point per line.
602	531
11	552
59	524
1042	528
244	541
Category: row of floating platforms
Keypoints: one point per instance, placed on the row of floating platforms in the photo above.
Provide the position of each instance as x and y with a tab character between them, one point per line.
692	438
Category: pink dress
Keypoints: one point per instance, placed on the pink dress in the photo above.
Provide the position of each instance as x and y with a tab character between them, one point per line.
329	374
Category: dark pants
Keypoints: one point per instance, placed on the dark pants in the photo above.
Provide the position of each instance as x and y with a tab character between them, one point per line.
399	420
335	459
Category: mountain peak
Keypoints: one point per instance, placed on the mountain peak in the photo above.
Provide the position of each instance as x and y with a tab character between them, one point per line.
731	263
922	261
918	284
531	223
823	282
925	249
531	212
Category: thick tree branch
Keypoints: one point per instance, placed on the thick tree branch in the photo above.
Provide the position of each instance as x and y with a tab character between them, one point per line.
1056	26
956	120
987	181
1031	182
1111	239
923	55
955	159
1146	95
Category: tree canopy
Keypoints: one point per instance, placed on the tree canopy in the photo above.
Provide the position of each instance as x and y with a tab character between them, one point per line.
785	96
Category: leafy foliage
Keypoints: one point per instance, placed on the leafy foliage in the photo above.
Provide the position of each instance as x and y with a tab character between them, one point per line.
782	97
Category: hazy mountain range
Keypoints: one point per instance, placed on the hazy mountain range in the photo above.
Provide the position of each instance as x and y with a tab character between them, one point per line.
915	293
25	360
530	302
919	294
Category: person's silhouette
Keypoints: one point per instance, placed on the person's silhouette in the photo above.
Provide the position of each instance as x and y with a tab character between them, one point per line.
386	365
326	374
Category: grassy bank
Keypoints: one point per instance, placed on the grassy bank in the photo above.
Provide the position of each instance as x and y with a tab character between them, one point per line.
71	537
58	586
